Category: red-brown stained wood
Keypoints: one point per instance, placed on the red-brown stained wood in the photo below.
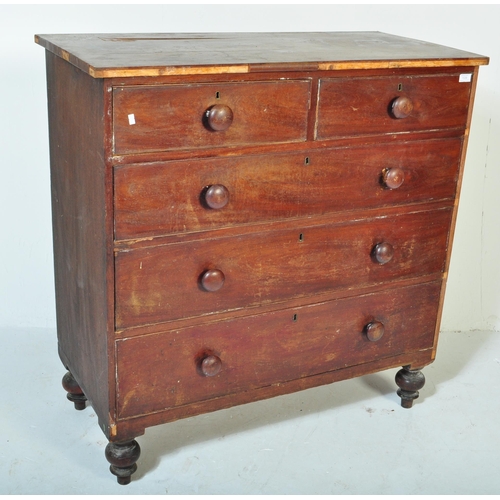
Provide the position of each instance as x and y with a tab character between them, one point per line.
79	216
153	54
161	371
162	283
355	106
455	210
163	198
282	245
135	426
170	117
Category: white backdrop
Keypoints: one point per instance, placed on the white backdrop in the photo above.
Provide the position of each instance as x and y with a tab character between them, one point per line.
26	269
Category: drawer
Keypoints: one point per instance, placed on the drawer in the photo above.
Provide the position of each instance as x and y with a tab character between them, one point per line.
357	106
191	195
161	371
201	277
172	117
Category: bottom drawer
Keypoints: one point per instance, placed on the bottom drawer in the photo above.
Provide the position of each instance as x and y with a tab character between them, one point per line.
160	371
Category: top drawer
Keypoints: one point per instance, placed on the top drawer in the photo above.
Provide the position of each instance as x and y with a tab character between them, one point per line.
166	117
359	106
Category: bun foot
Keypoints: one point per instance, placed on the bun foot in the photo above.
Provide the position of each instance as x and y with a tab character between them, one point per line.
75	393
123	457
409	381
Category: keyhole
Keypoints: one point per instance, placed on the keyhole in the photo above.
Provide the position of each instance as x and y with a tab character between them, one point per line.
294	318
217	95
301	237
306	160
400	87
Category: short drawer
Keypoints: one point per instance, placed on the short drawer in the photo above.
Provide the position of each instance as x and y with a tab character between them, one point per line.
201	277
160	371
192	195
173	117
357	106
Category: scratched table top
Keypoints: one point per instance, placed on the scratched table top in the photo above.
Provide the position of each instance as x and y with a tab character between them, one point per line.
118	55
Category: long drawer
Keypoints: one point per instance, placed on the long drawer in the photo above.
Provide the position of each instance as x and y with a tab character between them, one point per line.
171	117
199	277
190	195
357	106
164	370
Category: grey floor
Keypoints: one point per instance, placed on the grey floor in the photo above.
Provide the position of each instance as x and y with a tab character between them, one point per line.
351	437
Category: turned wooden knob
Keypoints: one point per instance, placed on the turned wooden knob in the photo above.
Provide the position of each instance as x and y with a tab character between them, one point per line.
383	252
219	117
217	196
212	280
401	107
211	365
374	331
393	177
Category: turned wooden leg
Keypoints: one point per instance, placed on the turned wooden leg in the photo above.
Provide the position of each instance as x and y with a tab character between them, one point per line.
123	457
75	394
409	381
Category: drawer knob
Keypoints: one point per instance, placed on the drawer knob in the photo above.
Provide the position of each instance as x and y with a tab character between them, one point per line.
383	252
211	366
393	177
219	117
217	196
374	331
401	107
212	280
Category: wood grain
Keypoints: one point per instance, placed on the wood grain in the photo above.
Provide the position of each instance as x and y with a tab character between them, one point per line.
161	371
135	426
457	199
262	219
162	198
130	55
356	106
170	117
82	244
162	283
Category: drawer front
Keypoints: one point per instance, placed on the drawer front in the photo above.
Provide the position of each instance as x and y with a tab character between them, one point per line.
191	195
161	371
357	106
171	117
182	280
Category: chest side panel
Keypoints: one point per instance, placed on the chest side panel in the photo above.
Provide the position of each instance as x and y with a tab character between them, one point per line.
81	227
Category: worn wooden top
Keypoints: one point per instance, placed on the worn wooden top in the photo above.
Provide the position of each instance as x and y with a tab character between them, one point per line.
112	55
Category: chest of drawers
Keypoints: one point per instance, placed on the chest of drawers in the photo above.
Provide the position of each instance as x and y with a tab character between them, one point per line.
238	216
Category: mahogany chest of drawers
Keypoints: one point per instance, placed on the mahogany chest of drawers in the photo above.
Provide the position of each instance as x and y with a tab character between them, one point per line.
238	216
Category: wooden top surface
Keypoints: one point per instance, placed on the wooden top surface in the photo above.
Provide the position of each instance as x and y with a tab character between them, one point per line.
127	55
